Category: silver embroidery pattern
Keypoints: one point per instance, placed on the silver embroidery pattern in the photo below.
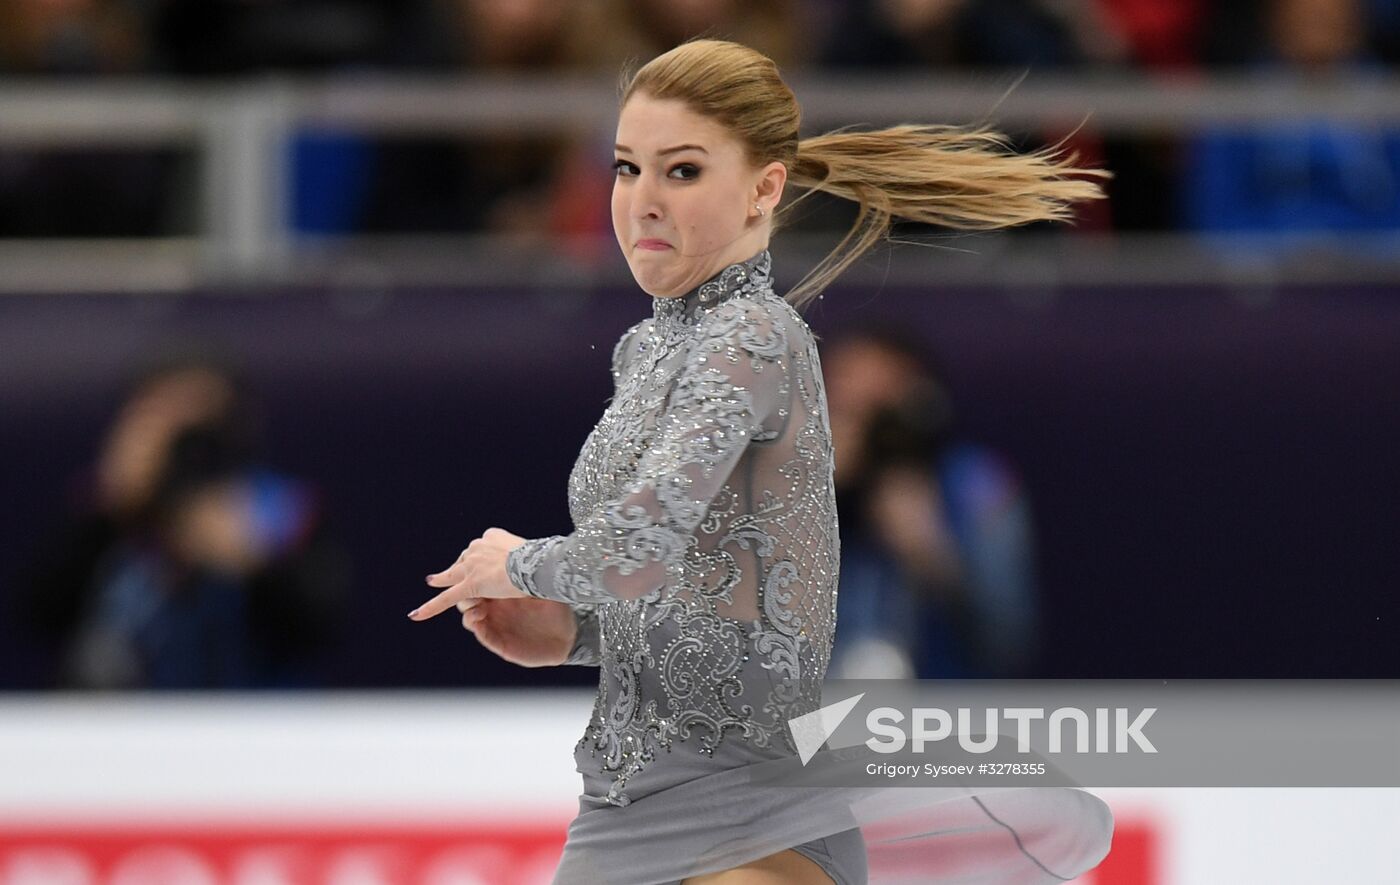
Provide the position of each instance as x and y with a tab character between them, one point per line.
703	565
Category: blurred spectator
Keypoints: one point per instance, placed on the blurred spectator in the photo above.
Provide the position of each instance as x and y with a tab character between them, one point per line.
1308	176
1154	34
517	35
893	34
1244	33
536	187
1160	37
70	37
643	29
188	564
234	37
936	574
79	192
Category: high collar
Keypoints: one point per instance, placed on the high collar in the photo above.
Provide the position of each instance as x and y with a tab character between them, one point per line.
748	277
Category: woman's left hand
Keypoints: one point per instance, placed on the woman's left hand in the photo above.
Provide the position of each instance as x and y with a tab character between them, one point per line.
479	573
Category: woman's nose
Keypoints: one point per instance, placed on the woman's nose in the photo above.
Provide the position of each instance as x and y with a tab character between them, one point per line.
646	201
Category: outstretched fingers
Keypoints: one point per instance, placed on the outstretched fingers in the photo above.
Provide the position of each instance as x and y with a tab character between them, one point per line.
458	592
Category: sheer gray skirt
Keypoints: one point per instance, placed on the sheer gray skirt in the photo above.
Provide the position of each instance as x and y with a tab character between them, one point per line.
730	816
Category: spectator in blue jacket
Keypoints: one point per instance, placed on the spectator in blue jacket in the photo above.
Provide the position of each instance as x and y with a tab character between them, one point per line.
937	578
1301	177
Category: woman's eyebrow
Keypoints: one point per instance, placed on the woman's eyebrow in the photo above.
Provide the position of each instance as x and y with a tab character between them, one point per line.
670	150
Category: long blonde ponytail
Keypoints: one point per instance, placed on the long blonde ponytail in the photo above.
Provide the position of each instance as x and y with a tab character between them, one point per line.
968	179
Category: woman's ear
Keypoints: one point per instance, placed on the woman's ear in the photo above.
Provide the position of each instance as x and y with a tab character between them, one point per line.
769	188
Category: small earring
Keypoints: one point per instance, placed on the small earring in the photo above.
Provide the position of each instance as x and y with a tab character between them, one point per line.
759	208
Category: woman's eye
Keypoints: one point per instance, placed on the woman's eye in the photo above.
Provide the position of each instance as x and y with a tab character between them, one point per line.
687	170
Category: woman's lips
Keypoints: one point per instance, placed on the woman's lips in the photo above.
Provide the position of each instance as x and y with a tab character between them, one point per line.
654	245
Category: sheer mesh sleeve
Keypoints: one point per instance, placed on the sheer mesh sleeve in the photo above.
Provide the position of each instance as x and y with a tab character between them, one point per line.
587	648
630	546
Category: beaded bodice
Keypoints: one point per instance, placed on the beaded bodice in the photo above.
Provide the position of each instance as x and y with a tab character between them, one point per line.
703	564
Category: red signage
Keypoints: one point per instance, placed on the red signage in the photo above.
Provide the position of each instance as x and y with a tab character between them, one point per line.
470	852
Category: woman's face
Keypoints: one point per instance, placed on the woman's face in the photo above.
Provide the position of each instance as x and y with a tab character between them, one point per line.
683	215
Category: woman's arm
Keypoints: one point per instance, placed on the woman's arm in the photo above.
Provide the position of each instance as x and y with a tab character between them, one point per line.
629	546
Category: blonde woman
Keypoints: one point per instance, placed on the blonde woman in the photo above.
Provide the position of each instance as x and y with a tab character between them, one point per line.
702	571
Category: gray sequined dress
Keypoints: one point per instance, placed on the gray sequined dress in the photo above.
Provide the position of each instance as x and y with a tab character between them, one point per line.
704	561
702	571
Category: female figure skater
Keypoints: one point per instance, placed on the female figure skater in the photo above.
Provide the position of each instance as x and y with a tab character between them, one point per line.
702	570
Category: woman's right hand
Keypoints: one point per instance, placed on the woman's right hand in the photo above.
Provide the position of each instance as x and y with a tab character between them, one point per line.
526	631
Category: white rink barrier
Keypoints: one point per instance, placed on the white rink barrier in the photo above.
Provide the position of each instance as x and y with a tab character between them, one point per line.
468	787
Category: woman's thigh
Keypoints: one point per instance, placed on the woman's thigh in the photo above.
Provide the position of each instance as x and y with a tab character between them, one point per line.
787	867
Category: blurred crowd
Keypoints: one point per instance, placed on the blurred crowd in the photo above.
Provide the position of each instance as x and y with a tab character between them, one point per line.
183	560
1294	177
223	37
